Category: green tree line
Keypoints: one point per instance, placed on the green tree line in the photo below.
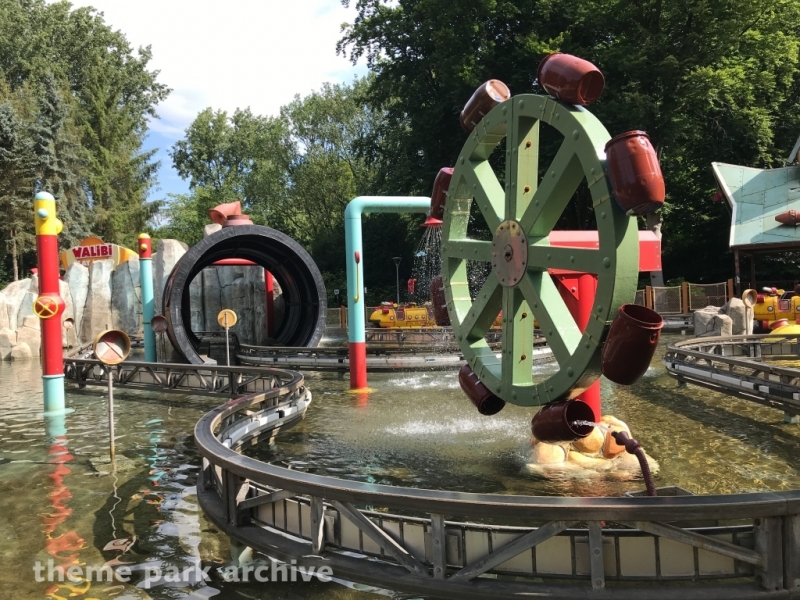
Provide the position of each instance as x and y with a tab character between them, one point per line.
75	98
709	80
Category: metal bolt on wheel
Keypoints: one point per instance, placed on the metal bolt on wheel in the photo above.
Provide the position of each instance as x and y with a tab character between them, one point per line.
521	214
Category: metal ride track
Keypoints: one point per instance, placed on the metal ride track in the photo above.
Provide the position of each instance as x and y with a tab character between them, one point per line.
724	547
277	399
336	359
734	365
741	546
379	358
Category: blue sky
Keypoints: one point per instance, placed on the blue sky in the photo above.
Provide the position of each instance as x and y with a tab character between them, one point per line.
228	55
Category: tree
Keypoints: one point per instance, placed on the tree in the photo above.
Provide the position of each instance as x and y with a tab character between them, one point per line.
330	129
710	81
17	169
295	172
60	160
111	96
244	157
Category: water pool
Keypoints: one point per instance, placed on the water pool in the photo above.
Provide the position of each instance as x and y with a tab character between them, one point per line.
62	502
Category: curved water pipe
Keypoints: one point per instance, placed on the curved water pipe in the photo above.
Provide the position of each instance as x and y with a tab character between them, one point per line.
632	447
356	327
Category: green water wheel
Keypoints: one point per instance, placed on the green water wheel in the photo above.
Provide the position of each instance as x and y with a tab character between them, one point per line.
520	213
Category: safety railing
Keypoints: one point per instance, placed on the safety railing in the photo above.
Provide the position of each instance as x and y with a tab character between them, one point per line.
405	539
684	298
734	365
208	380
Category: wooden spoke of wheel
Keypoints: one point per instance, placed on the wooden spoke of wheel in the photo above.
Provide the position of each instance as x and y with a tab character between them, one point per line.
520	213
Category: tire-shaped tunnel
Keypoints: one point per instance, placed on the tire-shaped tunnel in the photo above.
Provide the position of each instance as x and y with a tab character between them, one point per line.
297	274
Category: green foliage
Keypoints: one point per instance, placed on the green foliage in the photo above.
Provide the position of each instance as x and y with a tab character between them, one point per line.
82	96
295	172
184	217
710	81
242	157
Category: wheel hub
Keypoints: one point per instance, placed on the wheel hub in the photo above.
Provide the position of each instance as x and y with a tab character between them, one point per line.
509	253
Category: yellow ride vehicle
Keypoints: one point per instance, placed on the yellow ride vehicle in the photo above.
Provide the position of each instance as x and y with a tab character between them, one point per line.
771	305
389	314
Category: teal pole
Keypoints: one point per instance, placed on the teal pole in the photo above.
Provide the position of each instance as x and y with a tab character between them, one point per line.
148	301
356	327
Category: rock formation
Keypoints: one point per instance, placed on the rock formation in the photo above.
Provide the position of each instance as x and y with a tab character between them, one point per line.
733	318
103	297
598	453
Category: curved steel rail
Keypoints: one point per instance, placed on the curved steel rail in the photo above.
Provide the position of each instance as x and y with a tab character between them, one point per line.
746	545
378	358
734	365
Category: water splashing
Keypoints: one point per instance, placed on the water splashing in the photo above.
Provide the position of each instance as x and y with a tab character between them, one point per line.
428	266
601	426
427	263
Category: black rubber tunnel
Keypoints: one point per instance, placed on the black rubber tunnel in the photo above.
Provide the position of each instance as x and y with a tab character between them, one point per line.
303	290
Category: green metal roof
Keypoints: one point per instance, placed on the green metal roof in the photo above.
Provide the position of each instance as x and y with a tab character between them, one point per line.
756	196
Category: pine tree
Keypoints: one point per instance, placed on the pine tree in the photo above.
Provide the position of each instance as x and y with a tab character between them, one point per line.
17	168
60	159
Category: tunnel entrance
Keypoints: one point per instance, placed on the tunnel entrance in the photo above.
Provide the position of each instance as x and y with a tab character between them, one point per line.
304	304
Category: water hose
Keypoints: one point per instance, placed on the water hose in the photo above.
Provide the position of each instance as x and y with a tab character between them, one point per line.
632	447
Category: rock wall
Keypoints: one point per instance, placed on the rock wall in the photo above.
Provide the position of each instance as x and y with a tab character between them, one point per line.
102	297
241	289
733	318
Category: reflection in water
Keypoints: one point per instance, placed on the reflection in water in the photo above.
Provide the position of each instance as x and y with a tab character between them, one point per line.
411	430
64	548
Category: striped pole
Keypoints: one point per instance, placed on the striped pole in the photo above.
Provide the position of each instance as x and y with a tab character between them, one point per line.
49	306
148	302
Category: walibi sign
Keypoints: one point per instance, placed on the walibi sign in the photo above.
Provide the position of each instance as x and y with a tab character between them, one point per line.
92	249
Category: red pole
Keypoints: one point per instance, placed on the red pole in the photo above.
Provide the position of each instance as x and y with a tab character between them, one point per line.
269	285
49	306
587	288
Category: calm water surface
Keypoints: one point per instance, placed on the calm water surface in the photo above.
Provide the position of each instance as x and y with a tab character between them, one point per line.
61	501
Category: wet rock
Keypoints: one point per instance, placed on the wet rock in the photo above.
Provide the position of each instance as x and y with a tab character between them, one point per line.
548	454
10	301
196	302
703	320
592	443
126	306
77	280
30	334
8	339
212	298
719	325
211	228
738	313
97	315
21	351
67	336
242	290
168	254
26	305
32	322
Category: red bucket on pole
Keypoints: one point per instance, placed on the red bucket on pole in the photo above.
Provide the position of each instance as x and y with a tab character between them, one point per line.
570	78
485	401
631	343
563	421
635	172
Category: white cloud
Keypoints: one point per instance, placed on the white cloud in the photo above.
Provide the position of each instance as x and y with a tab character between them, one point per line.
229	54
236	53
